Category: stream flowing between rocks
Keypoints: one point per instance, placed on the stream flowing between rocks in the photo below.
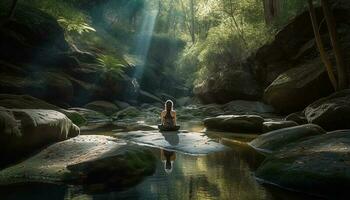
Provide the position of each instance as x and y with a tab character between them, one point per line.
224	174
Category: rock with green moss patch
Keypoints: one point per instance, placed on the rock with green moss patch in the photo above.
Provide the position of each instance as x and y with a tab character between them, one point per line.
89	160
274	140
319	165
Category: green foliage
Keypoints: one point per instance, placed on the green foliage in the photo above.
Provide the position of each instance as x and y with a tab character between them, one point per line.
70	18
237	29
75	25
112	63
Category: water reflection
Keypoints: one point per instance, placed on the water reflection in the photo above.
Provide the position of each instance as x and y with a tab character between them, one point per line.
168	158
171	137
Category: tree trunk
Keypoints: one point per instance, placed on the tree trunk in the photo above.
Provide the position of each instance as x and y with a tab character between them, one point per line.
320	46
271	9
193	35
13	8
341	66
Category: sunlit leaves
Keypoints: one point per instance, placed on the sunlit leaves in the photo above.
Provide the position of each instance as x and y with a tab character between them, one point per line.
72	25
112	63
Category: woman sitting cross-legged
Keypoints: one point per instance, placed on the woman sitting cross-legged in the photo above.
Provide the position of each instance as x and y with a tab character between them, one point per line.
168	118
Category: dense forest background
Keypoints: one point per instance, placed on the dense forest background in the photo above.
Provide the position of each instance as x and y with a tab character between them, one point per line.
189	39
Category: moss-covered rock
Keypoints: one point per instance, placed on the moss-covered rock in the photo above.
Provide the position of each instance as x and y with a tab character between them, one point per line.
319	165
88	160
274	140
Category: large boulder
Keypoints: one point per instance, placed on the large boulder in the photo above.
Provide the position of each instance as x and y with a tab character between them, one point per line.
274	140
332	112
29	102
25	130
319	166
89	160
104	107
294	89
235	123
275	125
227	86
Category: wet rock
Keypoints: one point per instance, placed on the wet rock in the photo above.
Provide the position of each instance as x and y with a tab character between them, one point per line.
235	123
332	112
297	117
29	102
104	107
186	142
88	160
127	113
25	130
294	89
274	140
275	125
318	165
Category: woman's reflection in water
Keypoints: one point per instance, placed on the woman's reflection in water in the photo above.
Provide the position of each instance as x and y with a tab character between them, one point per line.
168	158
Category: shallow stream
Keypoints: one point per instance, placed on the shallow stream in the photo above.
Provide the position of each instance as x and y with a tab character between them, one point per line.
224	175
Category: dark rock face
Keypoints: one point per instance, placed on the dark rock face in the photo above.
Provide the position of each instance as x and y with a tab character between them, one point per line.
227	86
275	140
88	160
35	59
25	130
294	89
332	112
235	123
319	165
23	40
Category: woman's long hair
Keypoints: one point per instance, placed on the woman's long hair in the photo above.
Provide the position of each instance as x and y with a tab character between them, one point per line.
166	105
